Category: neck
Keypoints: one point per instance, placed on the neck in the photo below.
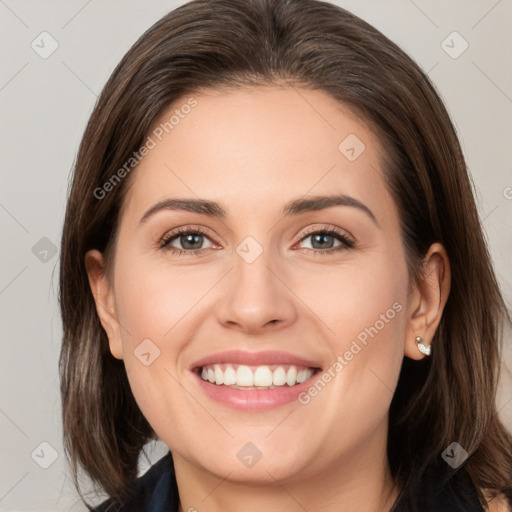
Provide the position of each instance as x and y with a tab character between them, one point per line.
360	482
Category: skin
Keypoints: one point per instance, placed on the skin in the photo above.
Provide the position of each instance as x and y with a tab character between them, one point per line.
252	151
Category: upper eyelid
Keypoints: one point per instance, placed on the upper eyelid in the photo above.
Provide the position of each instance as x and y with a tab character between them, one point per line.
186	229
331	230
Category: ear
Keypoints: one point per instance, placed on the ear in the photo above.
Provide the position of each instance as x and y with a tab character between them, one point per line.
427	300
103	294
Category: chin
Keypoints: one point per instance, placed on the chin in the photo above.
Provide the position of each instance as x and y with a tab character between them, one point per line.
257	469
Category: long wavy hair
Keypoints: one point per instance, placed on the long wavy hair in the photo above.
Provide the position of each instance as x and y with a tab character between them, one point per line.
210	44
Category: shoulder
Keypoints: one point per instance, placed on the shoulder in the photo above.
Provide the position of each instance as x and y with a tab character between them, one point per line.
496	504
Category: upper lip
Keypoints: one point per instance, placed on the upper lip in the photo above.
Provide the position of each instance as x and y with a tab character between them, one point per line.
255	359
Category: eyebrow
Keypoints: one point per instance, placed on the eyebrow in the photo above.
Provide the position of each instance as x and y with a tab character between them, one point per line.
294	207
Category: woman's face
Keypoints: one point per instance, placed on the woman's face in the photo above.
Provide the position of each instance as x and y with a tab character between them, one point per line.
258	241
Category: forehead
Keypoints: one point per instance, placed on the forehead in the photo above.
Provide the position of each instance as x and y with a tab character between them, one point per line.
242	146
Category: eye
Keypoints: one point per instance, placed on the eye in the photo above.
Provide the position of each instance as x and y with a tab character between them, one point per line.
325	240
190	240
186	240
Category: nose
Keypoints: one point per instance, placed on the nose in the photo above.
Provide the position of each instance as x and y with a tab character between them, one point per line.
256	298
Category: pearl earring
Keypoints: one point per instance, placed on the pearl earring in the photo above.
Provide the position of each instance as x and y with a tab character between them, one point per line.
422	348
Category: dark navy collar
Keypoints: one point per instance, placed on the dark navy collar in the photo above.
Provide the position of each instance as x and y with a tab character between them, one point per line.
155	491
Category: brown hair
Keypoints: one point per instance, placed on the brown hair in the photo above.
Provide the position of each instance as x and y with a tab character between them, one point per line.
312	44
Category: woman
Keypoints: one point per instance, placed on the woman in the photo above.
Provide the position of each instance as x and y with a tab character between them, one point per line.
272	261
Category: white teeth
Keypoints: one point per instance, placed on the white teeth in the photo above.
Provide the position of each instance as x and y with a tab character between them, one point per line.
308	374
219	375
279	377
291	376
229	376
244	376
263	376
260	376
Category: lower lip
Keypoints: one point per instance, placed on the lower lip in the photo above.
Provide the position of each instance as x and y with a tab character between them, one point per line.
253	399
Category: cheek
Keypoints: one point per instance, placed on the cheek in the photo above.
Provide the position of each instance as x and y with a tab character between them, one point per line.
153	299
362	311
361	302
158	308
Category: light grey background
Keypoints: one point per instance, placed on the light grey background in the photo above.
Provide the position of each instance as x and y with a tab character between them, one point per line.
44	105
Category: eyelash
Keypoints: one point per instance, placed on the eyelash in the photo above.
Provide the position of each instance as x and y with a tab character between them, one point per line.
168	238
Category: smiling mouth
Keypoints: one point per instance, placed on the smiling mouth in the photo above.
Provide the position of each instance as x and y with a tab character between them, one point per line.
263	377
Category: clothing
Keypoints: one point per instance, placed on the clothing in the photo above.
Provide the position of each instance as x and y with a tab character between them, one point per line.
157	491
